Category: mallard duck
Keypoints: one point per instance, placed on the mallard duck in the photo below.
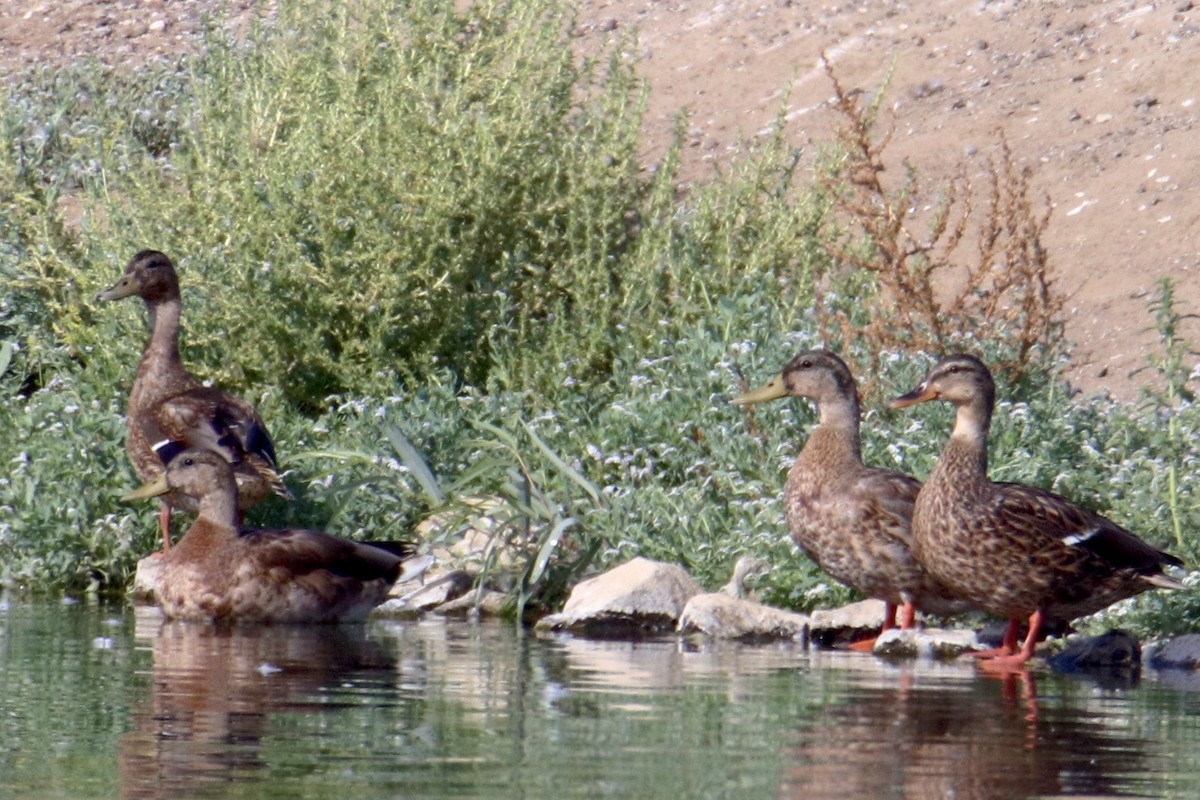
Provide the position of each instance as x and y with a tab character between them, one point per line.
221	573
169	410
1014	550
852	520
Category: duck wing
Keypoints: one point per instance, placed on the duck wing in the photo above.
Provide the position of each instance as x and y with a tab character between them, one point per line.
302	552
1039	516
887	498
213	420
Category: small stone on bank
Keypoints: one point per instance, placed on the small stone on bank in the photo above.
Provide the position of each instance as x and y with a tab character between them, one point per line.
850	623
720	616
937	643
640	597
1182	652
1113	649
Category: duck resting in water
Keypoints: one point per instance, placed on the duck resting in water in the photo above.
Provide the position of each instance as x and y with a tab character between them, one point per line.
220	573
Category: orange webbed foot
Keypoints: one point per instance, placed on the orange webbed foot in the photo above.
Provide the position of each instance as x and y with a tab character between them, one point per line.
864	646
1013	663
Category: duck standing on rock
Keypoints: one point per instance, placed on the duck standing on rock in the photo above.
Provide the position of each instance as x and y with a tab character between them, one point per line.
1009	549
170	411
220	573
852	520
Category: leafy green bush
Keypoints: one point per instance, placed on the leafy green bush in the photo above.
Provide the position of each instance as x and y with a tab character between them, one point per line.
58	520
371	191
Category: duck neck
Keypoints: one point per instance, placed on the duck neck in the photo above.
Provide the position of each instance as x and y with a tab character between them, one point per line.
835	441
220	508
164	328
161	368
964	461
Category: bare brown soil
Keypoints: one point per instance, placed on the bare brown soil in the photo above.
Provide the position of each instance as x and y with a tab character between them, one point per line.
1101	99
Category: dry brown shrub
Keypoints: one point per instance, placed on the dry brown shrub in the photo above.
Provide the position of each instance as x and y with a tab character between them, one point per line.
977	272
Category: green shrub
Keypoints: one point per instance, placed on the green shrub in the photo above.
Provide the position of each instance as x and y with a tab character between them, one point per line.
59	523
367	191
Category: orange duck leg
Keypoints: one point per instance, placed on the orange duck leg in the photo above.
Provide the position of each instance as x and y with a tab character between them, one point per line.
908	615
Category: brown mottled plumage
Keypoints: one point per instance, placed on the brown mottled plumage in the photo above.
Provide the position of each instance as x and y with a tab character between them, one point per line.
852	520
169	410
1015	550
219	573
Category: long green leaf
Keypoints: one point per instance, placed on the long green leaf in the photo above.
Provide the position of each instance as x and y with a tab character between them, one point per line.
6	352
353	456
538	568
416	464
504	436
563	466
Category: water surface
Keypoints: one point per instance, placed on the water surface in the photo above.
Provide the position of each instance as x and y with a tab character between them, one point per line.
106	701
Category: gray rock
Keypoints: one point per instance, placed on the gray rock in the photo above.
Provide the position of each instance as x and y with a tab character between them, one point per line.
489	604
830	627
936	643
406	601
1113	649
721	616
1182	652
146	578
639	597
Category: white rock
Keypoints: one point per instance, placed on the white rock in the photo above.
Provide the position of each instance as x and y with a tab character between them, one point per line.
146	578
925	643
834	626
723	617
640	596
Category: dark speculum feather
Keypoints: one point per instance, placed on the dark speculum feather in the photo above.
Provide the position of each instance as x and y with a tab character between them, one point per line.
259	441
168	449
1123	549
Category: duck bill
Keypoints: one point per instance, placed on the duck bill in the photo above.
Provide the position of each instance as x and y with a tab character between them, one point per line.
772	391
154	488
118	291
922	394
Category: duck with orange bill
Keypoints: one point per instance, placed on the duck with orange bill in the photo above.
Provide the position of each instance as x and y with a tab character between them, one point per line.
1014	550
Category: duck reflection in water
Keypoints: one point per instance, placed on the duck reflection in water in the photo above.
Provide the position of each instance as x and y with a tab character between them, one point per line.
978	739
215	690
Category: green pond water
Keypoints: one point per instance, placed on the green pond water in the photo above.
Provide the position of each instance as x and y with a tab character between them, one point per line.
107	701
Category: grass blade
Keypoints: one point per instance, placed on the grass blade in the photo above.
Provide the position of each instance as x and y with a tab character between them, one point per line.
416	464
563	466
